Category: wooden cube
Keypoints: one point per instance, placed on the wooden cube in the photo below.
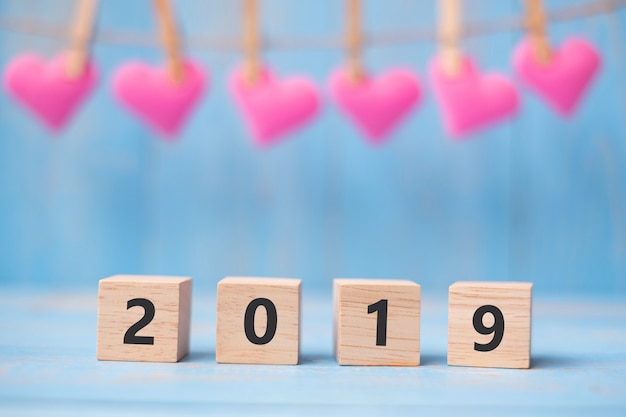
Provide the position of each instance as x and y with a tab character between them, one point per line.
377	322
489	324
143	318
258	321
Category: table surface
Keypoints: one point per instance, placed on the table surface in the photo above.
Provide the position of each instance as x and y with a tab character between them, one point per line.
48	367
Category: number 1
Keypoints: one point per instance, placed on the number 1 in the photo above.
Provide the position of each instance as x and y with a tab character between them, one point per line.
381	321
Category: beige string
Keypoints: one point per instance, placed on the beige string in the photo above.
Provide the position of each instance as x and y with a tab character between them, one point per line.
536	26
80	37
354	39
478	28
251	42
170	39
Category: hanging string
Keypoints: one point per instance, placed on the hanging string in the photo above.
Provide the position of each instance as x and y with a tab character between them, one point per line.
449	35
469	30
536	26
251	42
354	39
80	37
169	38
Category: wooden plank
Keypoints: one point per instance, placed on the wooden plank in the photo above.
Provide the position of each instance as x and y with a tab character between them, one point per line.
48	367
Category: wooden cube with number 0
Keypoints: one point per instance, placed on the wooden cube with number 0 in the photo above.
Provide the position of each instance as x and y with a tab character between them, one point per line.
377	322
143	318
258	320
489	324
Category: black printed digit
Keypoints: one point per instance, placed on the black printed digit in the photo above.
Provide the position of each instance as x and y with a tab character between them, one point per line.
130	337
381	321
272	321
497	328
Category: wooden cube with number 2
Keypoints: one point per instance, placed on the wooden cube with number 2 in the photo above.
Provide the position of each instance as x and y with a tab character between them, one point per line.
143	318
489	324
377	322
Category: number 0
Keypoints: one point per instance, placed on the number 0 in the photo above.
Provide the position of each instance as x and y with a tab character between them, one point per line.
497	328
272	321
381	321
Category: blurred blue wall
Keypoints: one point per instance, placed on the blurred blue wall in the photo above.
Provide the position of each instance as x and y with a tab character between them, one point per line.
537	199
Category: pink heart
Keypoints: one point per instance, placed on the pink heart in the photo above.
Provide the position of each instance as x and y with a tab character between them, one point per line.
273	107
45	89
470	100
562	81
155	97
378	104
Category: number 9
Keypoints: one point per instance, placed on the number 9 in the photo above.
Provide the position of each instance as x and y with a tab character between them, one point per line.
497	328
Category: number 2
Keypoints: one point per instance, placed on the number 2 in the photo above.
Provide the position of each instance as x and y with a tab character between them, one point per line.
381	321
497	328
130	337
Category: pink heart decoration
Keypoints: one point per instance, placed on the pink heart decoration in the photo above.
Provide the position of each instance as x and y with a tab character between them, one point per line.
470	100
156	98
44	88
378	104
273	107
562	81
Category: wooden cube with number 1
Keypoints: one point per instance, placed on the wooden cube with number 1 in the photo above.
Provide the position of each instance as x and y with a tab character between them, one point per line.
489	324
143	318
377	322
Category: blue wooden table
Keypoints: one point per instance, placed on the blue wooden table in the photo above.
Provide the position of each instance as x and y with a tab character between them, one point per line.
48	367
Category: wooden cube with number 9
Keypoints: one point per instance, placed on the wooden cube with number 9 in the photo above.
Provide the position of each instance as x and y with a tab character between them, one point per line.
489	324
377	322
143	318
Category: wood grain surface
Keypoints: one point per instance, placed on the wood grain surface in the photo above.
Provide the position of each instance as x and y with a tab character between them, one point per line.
234	295
355	330
48	367
169	328
513	300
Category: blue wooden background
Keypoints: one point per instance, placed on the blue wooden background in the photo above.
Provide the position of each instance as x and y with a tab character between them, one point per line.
537	199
